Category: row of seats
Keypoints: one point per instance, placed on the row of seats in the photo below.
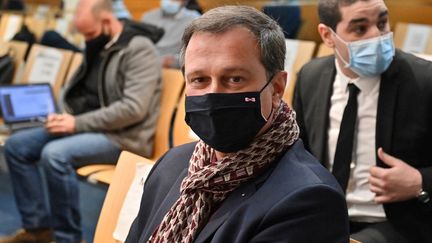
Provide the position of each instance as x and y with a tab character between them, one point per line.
38	24
27	72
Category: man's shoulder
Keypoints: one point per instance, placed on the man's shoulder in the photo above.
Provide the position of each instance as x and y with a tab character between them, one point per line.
411	60
152	14
177	158
305	169
139	41
319	63
411	70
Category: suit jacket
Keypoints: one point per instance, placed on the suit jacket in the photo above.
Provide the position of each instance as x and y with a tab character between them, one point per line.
403	126
296	200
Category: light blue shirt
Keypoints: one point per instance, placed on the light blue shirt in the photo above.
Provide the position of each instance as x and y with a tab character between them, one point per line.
120	9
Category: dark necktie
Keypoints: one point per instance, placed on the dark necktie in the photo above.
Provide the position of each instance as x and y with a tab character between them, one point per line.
345	142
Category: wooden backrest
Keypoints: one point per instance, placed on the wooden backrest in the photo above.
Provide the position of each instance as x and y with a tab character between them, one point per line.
18	50
10	24
122	179
181	133
416	38
76	61
354	241
299	52
47	64
172	86
138	7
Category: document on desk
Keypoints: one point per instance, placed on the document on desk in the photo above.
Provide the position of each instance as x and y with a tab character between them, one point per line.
131	204
13	25
46	66
290	57
417	38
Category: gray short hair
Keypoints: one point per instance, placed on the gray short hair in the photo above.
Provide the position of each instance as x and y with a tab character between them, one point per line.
268	33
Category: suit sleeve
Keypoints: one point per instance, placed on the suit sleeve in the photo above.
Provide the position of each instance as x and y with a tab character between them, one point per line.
314	214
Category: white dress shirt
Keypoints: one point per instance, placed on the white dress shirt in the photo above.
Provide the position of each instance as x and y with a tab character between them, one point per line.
360	200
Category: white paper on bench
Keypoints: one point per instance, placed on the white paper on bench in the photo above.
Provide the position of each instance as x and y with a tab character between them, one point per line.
132	202
416	39
290	57
46	66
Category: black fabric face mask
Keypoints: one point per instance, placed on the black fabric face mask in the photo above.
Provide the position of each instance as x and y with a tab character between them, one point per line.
227	122
96	45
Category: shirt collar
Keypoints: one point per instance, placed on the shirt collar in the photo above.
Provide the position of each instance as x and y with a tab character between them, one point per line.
365	84
112	41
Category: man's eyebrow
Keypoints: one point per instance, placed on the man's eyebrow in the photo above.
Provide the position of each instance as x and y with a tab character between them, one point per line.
359	20
383	14
236	69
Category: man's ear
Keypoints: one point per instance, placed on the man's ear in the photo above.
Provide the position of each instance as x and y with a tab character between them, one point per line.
279	83
326	35
106	25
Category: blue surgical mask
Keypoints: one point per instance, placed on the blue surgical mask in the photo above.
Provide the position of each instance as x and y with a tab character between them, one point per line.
370	57
170	7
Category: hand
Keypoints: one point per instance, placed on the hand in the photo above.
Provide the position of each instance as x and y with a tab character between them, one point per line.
60	123
400	182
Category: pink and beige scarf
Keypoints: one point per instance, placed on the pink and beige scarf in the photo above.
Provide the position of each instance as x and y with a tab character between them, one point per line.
208	182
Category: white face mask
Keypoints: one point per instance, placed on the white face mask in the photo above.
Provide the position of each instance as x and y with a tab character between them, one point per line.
170	7
370	57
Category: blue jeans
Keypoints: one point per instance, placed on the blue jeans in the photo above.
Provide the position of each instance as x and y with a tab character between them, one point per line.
28	152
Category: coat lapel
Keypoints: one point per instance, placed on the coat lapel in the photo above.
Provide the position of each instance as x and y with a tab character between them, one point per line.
390	81
230	204
322	108
172	196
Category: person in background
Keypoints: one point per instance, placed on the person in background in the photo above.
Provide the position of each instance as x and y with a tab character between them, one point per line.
193	5
120	10
111	104
249	178
365	112
173	17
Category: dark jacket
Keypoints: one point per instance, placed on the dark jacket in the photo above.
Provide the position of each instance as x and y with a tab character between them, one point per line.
296	200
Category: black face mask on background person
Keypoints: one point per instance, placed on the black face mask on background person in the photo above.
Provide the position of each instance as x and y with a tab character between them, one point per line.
227	122
96	45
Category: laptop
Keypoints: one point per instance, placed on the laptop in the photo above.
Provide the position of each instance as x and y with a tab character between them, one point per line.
26	105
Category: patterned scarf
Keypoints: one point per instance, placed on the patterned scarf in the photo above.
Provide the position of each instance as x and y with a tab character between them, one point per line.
209	182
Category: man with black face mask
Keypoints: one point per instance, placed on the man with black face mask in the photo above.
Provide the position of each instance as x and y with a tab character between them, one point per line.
249	178
111	104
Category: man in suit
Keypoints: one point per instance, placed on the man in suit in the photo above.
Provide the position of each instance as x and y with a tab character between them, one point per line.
249	178
365	112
